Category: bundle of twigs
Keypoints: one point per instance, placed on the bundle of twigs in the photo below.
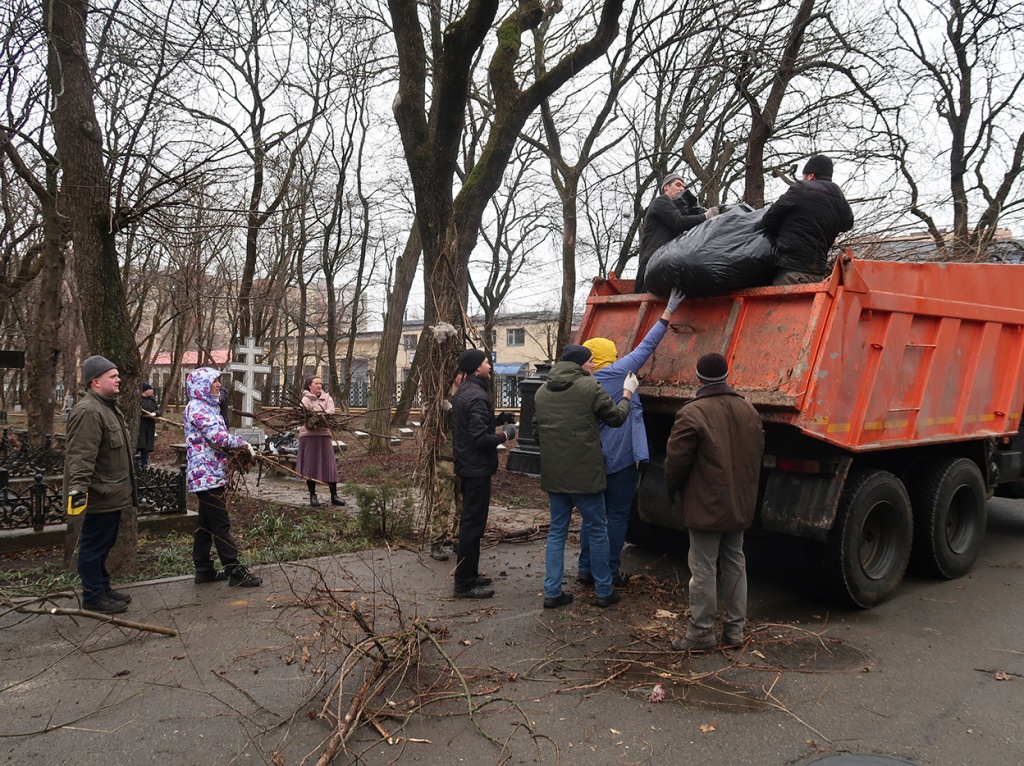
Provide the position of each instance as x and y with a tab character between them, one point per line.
291	415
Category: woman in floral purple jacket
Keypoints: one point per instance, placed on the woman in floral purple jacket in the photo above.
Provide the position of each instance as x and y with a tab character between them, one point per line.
207	446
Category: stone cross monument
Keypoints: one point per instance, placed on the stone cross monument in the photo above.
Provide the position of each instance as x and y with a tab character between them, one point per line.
248	351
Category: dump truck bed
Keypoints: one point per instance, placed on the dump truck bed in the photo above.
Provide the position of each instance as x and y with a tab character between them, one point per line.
879	355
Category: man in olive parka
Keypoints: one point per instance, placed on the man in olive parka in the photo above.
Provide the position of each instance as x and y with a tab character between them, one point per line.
567	412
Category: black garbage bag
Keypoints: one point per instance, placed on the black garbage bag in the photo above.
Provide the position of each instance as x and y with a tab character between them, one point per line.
727	253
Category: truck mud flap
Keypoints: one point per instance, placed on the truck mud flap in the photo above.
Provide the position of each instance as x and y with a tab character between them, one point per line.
653	505
803	504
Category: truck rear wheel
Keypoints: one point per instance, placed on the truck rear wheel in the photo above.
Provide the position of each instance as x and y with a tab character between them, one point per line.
869	546
948	498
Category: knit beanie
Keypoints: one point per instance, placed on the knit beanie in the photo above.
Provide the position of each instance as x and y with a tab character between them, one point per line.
604	351
308	381
470	360
146	387
669	179
578	354
819	165
712	368
95	366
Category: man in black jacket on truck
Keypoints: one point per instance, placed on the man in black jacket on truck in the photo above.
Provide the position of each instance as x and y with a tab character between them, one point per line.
804	223
673	212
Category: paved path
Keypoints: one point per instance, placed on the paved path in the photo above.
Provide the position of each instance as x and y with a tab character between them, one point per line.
933	677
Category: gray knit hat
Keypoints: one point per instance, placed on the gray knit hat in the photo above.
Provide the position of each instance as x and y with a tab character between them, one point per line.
669	179
95	366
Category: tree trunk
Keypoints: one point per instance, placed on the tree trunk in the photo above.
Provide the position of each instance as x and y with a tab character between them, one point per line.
567	191
43	348
382	388
80	150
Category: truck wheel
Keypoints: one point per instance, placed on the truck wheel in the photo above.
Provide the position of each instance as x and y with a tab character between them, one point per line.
869	546
948	497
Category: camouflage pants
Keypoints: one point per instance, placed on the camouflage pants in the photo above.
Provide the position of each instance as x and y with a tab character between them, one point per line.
447	508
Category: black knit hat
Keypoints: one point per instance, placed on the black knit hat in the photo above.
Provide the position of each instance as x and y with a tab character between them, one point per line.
712	368
95	366
578	354
146	387
819	165
470	360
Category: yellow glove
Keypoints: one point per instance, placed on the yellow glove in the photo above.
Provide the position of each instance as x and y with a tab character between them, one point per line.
77	502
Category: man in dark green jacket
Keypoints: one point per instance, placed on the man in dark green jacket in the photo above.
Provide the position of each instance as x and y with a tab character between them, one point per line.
99	480
568	410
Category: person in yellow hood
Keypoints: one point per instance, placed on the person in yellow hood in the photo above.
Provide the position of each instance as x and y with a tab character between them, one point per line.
623	447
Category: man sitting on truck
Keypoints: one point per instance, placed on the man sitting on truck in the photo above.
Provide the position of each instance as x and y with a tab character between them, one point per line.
713	458
804	223
673	212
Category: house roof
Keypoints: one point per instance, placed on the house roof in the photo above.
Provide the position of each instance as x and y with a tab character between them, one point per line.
219	357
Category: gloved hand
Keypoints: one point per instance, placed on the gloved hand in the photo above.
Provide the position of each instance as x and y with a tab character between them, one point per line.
711	212
252	449
674	299
77	501
630	383
510	433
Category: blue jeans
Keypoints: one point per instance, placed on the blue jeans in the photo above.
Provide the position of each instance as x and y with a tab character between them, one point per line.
618	502
99	533
595	526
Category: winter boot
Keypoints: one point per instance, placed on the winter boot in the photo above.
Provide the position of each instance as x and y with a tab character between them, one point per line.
335	499
240	577
313	501
209	574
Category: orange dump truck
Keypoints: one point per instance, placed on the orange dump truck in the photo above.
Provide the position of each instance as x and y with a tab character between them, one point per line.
891	396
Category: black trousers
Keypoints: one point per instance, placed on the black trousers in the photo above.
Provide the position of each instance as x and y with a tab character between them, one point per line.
99	533
476	502
213	528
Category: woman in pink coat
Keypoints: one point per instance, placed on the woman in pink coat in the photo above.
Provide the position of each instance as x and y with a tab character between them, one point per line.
316	451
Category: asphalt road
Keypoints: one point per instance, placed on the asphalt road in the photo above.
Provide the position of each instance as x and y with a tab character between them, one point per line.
935	676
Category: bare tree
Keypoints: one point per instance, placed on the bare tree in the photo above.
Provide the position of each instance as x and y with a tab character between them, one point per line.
954	63
431	136
80	147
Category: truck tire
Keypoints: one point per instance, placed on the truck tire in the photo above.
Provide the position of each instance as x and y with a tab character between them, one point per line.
948	498
869	546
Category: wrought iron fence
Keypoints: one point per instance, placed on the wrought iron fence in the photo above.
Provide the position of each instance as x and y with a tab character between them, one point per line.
508	391
22	460
40	502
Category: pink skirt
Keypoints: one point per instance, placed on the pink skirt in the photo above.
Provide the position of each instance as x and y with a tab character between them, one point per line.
316	459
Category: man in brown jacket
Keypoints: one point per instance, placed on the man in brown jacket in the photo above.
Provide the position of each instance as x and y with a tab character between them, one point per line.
99	480
714	458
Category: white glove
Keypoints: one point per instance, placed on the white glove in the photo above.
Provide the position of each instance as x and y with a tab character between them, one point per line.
711	212
674	299
252	449
630	384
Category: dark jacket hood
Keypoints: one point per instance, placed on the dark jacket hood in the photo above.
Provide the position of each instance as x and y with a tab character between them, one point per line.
563	375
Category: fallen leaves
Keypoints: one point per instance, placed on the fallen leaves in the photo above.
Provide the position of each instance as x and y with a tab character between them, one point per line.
707	728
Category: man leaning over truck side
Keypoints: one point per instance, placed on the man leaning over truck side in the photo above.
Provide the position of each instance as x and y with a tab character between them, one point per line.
804	223
672	213
713	458
623	447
